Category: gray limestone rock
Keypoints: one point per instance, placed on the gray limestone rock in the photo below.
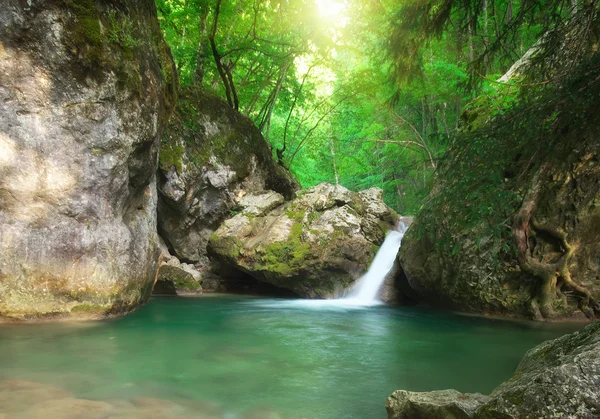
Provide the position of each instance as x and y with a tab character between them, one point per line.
212	159
442	404
80	122
259	203
176	280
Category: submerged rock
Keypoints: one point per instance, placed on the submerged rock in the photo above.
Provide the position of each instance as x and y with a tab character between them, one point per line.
211	157
442	404
86	88
315	245
558	379
21	399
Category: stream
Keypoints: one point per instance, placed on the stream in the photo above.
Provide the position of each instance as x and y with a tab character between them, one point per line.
242	357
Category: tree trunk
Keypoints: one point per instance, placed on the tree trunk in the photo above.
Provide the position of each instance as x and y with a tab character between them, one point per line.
202	51
548	273
225	77
267	121
332	147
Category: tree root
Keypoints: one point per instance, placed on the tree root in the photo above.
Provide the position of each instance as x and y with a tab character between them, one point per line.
555	277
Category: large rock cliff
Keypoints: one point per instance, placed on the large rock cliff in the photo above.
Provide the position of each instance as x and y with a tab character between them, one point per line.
513	224
86	88
211	156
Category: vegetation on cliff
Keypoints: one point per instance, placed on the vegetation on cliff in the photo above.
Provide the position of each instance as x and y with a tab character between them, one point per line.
512	220
360	93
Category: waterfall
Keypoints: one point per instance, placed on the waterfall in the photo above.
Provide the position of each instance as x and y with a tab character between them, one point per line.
365	291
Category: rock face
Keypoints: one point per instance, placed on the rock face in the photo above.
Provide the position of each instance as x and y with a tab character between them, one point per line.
557	379
211	156
519	237
467	268
315	245
86	88
176	280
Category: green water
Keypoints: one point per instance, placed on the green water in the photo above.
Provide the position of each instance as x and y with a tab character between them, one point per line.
240	354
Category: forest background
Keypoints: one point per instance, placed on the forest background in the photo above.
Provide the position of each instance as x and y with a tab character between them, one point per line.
362	93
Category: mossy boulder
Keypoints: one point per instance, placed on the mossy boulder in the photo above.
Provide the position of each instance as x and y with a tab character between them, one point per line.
558	379
87	89
315	245
211	157
174	280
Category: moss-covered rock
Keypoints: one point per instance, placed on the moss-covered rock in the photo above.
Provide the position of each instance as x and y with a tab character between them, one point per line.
87	88
512	226
557	379
175	281
315	245
210	158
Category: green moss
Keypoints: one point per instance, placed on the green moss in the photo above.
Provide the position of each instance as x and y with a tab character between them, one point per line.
166	67
85	37
296	213
288	256
230	247
313	216
180	279
88	308
516	397
89	29
383	227
171	155
181	283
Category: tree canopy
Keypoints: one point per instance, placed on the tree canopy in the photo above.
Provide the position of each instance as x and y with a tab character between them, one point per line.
369	93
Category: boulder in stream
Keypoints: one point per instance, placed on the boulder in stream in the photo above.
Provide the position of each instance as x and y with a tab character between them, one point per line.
315	245
558	379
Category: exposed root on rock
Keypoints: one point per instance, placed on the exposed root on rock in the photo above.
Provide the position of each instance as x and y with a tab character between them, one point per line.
555	277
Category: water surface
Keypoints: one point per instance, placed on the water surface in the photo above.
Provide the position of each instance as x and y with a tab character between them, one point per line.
284	358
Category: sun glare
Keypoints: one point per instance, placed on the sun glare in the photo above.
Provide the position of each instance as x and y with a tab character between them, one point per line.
330	9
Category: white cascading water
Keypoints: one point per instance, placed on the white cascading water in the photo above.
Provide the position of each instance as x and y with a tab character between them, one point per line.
366	290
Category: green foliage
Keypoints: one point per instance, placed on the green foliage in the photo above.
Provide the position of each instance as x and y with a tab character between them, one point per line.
121	31
489	167
373	97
